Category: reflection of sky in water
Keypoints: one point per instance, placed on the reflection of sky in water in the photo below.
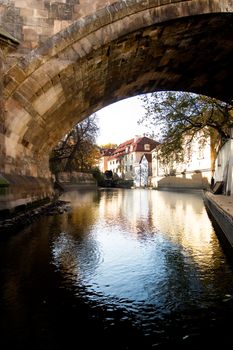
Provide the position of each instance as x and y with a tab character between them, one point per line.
141	246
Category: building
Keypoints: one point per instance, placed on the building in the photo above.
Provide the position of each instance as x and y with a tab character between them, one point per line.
127	159
138	159
195	169
105	153
224	166
143	171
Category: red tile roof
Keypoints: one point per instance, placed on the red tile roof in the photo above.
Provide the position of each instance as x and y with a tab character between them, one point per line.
148	157
133	145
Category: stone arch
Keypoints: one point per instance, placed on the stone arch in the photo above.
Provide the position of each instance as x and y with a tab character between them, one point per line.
124	49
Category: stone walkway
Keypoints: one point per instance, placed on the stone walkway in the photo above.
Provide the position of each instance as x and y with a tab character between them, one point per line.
224	202
220	207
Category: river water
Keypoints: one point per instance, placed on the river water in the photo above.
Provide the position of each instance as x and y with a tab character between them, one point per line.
123	269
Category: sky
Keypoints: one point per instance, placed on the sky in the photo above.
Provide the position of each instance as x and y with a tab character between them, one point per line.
118	121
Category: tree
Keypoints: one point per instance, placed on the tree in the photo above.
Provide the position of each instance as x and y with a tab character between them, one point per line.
109	145
176	117
77	151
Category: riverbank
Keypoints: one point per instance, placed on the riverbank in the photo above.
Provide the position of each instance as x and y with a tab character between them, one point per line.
220	209
19	221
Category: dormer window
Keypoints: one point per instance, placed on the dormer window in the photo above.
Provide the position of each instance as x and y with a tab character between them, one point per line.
147	147
127	150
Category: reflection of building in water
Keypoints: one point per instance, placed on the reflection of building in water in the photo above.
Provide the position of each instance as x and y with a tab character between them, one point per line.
132	206
72	243
184	218
181	217
141	236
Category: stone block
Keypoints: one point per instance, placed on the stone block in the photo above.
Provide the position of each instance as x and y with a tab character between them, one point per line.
43	103
40	13
30	34
26	12
29	88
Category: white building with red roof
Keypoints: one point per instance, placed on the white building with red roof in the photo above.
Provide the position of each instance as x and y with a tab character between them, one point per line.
126	159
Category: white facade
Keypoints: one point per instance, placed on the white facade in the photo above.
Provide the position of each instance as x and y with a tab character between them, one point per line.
125	166
142	177
115	165
197	159
127	163
224	166
101	164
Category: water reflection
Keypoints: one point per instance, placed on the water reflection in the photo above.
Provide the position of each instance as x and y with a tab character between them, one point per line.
135	269
140	247
75	242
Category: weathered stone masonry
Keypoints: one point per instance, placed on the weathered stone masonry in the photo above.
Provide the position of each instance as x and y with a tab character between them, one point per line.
76	57
32	22
7	43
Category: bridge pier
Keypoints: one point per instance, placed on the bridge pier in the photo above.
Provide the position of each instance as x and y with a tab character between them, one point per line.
17	190
25	180
21	192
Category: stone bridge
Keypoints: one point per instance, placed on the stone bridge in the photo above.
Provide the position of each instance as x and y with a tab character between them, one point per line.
60	61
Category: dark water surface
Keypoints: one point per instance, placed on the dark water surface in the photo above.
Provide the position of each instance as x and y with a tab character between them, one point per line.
124	269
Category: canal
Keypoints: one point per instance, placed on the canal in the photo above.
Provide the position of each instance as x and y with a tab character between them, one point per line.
123	269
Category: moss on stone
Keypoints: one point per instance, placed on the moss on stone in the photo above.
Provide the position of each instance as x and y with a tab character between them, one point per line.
3	182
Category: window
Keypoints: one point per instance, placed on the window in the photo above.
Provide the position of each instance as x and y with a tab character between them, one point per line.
131	168
147	147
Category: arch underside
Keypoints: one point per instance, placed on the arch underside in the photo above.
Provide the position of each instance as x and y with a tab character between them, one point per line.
192	54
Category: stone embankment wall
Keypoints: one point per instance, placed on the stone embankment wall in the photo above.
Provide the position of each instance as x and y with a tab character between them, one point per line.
220	210
173	182
21	191
76	180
